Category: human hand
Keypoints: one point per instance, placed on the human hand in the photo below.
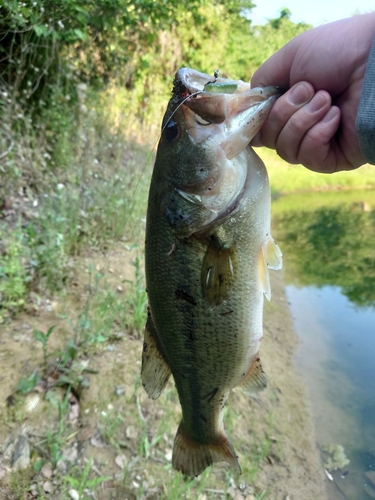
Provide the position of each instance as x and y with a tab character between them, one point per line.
313	123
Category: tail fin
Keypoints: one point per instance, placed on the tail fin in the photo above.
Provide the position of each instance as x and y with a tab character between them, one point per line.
192	458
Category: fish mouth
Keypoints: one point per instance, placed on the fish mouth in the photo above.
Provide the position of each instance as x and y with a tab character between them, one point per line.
216	100
221	116
237	109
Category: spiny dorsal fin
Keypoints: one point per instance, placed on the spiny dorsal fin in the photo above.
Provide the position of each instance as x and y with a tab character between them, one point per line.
219	272
155	370
255	380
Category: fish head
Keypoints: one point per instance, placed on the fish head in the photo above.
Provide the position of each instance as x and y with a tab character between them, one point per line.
207	126
225	113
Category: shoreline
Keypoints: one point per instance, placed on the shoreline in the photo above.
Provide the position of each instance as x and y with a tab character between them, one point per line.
297	471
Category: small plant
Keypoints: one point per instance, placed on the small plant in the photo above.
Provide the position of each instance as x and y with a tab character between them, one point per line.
12	272
82	481
55	437
109	424
147	445
26	385
43	338
137	297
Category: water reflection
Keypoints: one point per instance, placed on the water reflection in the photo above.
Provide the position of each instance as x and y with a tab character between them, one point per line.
330	271
332	245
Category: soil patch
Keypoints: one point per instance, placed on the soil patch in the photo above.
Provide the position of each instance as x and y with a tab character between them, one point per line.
127	438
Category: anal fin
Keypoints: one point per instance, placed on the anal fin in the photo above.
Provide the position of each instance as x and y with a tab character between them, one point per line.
155	370
255	380
192	458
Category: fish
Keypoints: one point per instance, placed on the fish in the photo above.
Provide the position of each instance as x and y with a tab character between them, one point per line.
208	248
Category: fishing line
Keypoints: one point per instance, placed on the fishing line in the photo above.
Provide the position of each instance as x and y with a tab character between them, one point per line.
174	111
108	255
90	297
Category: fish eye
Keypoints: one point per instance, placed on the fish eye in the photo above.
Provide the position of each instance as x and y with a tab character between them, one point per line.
171	131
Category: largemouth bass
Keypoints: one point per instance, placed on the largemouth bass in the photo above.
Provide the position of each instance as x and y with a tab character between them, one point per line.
208	250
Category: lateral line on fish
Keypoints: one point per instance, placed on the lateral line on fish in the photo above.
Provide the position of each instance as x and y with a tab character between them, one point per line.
106	262
110	250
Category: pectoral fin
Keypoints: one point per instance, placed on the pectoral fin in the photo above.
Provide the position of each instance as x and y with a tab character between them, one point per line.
255	380
273	255
155	370
219	272
270	257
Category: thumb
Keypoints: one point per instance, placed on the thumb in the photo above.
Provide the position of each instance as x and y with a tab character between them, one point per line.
276	70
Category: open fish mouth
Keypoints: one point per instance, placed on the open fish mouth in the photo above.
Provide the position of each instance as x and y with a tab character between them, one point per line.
215	99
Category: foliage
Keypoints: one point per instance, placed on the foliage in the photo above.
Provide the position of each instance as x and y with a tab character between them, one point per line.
43	338
54	43
81	480
13	274
333	246
50	48
247	47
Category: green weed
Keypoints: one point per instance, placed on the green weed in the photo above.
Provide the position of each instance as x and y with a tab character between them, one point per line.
81	480
13	275
56	437
19	485
137	297
108	425
26	385
43	338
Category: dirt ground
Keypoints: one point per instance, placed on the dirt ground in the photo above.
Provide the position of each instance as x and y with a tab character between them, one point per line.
299	474
291	468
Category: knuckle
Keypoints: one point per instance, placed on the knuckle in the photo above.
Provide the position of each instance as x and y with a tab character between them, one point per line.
287	154
280	113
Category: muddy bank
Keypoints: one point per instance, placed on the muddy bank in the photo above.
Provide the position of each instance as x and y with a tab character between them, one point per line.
298	473
271	432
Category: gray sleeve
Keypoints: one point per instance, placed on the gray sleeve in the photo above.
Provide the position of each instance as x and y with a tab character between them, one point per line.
365	123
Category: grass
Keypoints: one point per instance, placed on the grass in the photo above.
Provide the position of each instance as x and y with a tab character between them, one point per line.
286	178
98	200
312	201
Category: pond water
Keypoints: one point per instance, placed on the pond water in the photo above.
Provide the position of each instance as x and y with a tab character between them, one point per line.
328	243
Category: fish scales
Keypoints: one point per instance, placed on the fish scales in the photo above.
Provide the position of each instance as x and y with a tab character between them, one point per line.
207	246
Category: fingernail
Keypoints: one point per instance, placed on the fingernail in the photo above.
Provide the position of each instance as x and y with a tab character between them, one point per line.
300	94
330	115
316	103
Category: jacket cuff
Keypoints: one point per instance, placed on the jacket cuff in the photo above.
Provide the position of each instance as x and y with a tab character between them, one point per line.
365	122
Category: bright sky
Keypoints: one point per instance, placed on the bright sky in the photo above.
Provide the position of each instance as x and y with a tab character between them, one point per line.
314	12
